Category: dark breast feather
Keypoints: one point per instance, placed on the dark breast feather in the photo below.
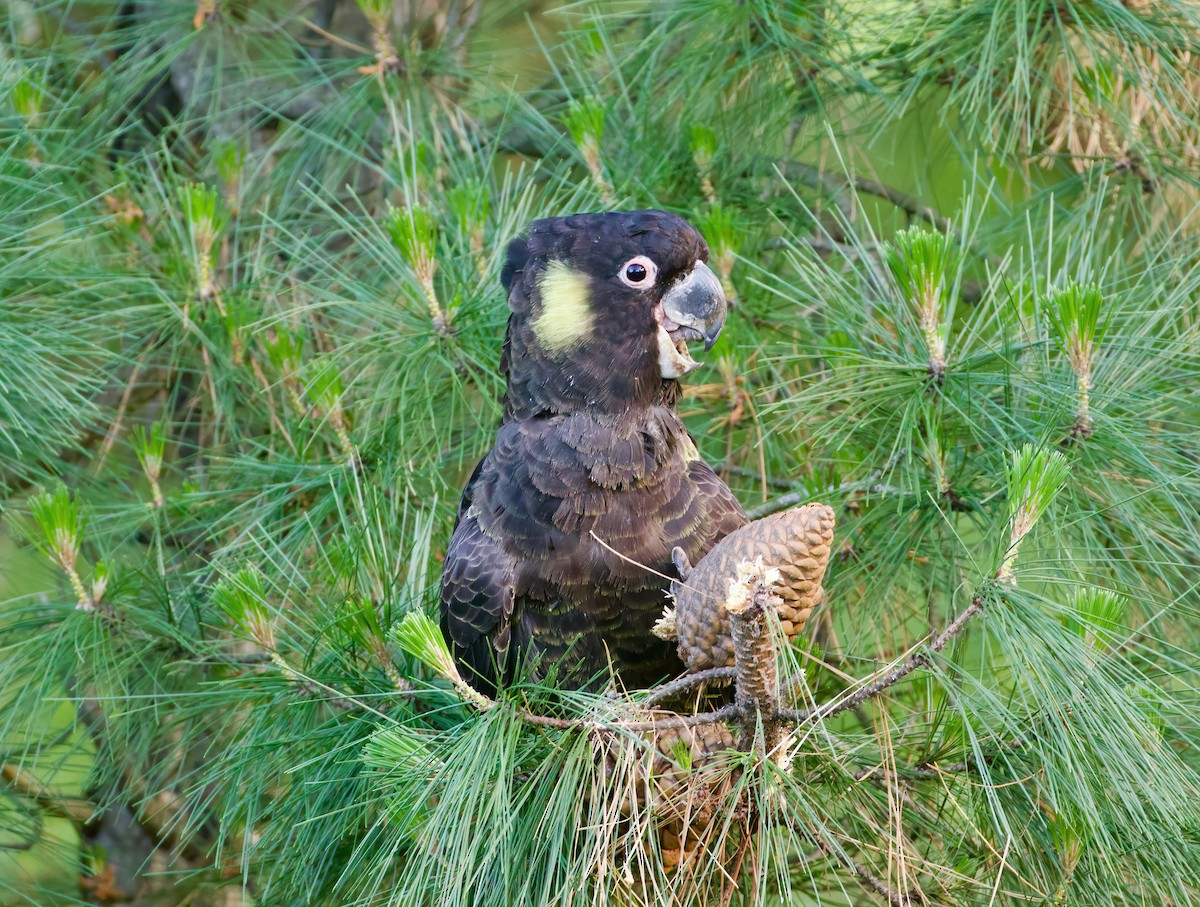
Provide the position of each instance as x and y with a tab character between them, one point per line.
557	528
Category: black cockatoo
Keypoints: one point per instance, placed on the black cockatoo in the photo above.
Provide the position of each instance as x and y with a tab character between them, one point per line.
590	457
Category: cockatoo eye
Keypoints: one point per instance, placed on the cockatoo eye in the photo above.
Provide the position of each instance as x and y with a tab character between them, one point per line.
639	272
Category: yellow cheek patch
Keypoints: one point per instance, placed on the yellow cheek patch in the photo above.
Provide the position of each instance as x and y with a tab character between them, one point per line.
566	318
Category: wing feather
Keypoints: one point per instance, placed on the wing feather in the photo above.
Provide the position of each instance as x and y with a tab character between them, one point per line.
477	599
723	511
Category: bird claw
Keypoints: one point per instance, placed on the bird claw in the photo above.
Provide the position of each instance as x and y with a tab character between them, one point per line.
682	565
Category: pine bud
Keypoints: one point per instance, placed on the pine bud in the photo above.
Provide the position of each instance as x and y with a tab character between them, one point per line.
468	202
420	637
100	576
149	447
58	516
27	99
1074	314
922	263
324	387
1035	477
414	234
205	218
584	120
243	598
704	152
724	236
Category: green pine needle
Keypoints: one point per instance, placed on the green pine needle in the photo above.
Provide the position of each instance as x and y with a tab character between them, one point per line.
250	257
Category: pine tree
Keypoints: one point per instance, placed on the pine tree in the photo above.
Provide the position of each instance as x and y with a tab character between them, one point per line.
248	355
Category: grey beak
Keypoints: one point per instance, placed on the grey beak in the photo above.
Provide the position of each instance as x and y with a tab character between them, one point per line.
697	301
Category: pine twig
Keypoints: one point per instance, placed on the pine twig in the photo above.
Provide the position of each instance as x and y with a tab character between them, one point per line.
870	485
837	183
895	675
734	470
483	703
783	502
928	770
25	784
874	883
334	39
724	713
667	690
912	773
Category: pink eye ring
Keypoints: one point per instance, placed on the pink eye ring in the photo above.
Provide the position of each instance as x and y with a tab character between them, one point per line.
639	272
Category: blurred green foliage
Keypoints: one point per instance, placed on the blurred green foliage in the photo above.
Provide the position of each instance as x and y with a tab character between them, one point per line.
250	323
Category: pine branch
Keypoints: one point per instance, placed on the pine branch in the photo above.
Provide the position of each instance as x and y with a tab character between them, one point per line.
837	184
929	770
870	485
675	687
725	713
893	676
162	814
783	502
24	783
734	469
873	883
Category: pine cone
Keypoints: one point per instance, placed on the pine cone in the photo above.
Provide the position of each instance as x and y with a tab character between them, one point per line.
690	785
795	542
678	786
